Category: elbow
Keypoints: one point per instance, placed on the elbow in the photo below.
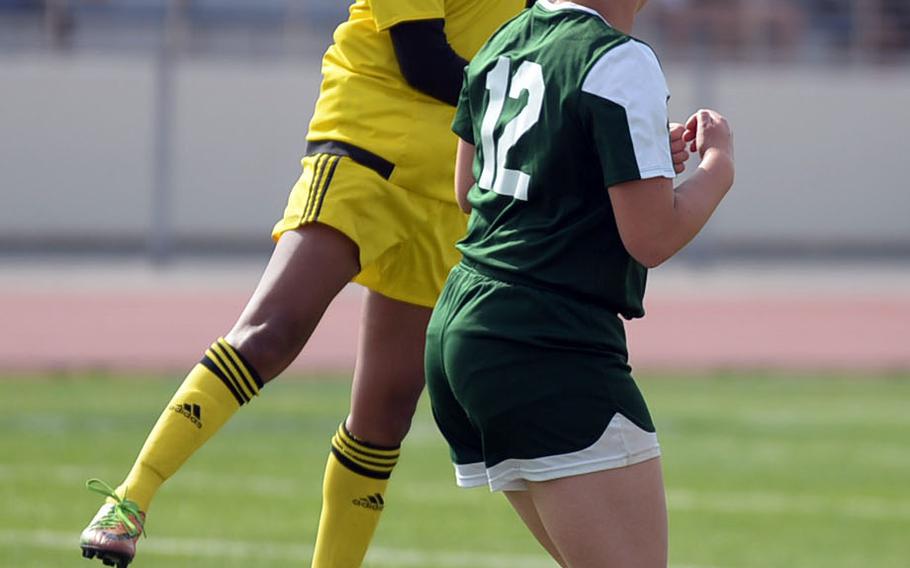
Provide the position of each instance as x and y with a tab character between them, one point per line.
463	203
649	245
649	255
652	261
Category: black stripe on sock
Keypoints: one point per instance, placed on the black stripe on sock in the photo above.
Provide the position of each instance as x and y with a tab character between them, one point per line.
357	468
211	366
363	462
366	444
235	380
224	355
367	456
249	368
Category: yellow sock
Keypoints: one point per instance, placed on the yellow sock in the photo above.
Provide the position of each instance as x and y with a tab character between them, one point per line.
213	391
353	491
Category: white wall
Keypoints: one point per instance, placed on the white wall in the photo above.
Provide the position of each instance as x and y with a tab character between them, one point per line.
820	151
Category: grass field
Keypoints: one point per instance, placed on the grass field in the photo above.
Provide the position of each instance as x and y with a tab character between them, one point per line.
795	472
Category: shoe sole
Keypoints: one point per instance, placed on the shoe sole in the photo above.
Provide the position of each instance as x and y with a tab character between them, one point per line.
107	557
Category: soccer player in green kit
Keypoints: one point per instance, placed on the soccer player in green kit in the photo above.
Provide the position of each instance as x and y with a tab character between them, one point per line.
566	161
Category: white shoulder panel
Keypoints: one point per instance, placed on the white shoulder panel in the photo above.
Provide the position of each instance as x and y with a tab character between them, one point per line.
630	76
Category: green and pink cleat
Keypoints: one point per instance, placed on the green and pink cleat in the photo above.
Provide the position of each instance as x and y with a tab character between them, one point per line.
111	536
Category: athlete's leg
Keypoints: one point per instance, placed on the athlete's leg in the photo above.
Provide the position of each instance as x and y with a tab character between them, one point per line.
387	384
388	378
615	517
523	504
307	269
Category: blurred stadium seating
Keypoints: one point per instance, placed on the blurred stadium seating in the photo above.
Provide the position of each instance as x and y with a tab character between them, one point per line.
753	30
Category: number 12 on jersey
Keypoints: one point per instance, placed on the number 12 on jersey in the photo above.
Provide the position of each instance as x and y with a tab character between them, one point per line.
495	176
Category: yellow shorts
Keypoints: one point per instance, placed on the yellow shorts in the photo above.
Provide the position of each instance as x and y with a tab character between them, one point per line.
407	241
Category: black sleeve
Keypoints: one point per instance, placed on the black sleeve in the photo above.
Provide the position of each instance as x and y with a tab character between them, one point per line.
427	61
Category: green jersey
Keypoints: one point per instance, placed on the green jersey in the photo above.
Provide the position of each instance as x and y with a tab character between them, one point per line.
561	106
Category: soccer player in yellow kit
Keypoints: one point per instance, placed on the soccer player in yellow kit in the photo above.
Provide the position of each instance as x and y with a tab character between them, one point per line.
374	205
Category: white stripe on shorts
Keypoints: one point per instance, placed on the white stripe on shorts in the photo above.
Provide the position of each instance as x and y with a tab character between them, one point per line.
622	444
471	475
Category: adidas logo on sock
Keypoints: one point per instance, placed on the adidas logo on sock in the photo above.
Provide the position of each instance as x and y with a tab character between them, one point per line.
192	411
374	502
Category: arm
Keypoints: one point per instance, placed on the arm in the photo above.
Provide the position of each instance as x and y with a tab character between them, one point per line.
655	221
464	174
427	61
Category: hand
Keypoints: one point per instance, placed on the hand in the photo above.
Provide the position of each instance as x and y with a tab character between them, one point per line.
709	130
678	147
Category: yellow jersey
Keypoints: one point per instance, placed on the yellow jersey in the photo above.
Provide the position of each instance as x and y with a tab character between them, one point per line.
365	101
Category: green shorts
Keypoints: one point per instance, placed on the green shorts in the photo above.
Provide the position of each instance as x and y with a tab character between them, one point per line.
527	384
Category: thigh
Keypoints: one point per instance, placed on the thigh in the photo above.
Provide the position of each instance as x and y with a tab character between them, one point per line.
389	375
523	504
354	200
616	517
340	216
308	268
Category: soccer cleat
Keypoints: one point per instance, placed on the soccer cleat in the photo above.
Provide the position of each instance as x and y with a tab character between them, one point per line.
111	536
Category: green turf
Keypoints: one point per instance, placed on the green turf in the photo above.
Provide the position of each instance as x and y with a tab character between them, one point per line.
807	472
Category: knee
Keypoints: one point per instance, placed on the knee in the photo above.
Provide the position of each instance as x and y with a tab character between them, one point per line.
269	346
383	416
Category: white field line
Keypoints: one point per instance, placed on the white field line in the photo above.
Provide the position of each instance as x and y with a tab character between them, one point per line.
75	475
769	503
680	500
273	551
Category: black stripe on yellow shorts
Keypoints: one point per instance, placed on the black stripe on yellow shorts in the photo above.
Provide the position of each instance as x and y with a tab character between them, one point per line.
324	169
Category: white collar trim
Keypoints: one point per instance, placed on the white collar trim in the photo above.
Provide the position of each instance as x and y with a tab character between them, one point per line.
552	7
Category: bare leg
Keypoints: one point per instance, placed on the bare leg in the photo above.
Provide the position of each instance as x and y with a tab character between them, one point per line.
610	518
388	379
523	504
307	270
387	384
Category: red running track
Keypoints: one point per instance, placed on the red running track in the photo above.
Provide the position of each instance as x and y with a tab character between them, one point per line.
167	330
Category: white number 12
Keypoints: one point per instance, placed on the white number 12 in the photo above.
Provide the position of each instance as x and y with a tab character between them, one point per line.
495	176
